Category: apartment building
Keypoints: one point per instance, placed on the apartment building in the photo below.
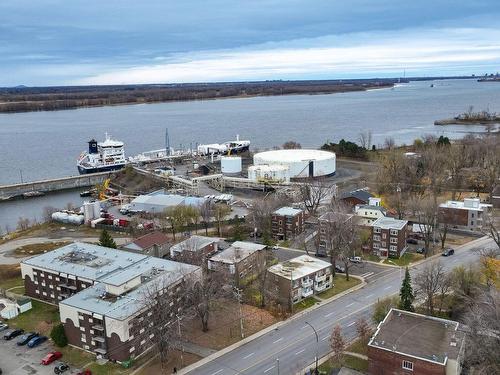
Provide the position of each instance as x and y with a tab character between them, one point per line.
240	260
298	278
464	215
101	294
195	249
287	222
368	213
410	343
389	237
328	223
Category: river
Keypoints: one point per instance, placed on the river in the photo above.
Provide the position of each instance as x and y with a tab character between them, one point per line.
39	145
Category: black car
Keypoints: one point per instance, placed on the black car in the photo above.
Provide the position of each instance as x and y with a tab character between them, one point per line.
420	250
9	335
339	269
60	368
448	252
412	241
24	339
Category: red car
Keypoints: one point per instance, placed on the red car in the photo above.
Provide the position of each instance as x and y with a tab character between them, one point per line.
85	372
51	357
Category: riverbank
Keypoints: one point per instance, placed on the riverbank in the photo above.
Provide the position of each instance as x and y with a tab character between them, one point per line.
454	121
59	98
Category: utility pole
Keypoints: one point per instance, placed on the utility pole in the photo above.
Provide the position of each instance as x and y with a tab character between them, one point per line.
317	343
237	292
21	173
278	365
180	339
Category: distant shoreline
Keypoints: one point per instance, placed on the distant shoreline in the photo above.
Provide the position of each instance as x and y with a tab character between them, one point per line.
54	99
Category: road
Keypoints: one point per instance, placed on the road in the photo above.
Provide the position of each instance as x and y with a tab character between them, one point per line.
294	343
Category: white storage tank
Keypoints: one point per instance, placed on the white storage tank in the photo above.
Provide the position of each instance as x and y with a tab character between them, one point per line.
97	209
75	219
230	165
61	217
274	173
301	163
88	211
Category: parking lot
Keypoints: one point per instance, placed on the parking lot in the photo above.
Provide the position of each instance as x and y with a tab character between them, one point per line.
21	360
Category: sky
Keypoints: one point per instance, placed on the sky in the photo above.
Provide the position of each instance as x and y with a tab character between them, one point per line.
61	42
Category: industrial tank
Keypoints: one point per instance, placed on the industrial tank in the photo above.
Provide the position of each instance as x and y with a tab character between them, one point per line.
230	165
271	173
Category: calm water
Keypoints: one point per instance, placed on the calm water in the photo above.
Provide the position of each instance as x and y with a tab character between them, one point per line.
42	145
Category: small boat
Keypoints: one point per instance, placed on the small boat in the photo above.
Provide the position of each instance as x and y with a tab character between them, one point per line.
432	84
86	193
31	194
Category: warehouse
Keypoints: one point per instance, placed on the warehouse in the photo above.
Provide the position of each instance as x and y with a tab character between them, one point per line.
300	163
158	201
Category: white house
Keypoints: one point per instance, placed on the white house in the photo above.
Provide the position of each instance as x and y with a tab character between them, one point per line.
368	213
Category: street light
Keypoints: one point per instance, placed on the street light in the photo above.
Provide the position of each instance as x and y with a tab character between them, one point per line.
317	343
278	365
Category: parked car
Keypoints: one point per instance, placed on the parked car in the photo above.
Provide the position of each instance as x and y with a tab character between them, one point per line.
355	259
85	372
60	368
9	335
35	341
420	250
24	339
339	269
51	357
412	241
447	252
3	326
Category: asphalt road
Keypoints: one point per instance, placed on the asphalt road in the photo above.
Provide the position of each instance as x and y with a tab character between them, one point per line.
294	343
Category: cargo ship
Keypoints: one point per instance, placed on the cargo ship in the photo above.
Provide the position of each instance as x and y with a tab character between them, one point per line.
227	148
102	156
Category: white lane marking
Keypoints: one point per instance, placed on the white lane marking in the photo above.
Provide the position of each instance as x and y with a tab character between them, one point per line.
351	324
388	287
369	295
269	369
368	274
248	356
218	372
324	338
304	327
349	305
329	314
300	351
281	338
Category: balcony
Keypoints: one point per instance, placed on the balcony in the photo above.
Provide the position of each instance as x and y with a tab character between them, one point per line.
98	327
320	278
99	339
68	286
307	292
100	351
306	283
319	287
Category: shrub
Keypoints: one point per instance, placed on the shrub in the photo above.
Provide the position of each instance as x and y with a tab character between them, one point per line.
59	336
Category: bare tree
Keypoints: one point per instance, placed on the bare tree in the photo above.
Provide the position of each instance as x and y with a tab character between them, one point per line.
389	143
491	227
23	223
289	145
313	192
206	213
363	329
337	344
262	275
221	211
426	215
428	283
365	139
47	213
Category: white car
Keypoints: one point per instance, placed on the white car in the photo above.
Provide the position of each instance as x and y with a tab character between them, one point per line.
355	259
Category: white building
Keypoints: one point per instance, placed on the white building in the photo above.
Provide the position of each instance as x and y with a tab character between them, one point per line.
368	213
466	215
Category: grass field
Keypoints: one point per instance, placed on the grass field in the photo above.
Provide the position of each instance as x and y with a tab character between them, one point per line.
304	304
38	248
10	276
351	362
405	259
40	318
340	285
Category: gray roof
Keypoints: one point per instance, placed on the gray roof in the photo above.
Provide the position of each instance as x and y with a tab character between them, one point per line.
287	211
389	223
85	260
369	207
360	194
238	251
299	267
194	243
426	337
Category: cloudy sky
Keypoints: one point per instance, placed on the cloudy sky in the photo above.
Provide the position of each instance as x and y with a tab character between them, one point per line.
61	42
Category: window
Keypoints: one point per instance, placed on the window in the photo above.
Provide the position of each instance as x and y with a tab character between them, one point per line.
407	365
394	232
472	215
376	246
472	222
384	235
394	240
376	238
393	248
280	222
376	230
383	244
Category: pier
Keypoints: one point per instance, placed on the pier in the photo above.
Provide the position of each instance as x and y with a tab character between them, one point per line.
46	186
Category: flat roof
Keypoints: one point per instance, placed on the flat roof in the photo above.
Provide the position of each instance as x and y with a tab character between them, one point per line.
425	337
370	207
85	260
298	267
389	223
194	243
295	155
287	211
460	205
237	251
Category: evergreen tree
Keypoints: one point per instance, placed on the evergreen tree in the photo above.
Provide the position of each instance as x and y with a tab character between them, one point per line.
106	240
406	293
59	336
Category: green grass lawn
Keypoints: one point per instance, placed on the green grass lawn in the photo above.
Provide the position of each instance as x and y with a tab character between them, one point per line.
405	259
40	318
354	363
358	346
75	357
304	304
13	283
108	369
340	285
371	257
10	276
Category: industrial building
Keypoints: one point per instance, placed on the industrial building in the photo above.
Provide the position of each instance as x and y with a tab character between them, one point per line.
100	292
301	163
158	201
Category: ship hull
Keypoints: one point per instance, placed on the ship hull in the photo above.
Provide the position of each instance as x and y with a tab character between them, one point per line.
106	168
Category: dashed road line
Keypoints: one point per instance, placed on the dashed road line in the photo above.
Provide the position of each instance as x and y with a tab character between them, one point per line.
275	342
269	369
349	305
369	295
351	324
248	356
218	372
300	351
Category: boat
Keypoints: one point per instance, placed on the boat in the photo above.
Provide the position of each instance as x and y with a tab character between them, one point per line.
32	194
226	148
87	193
102	156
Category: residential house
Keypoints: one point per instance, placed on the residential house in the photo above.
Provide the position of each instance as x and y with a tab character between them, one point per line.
287	222
195	249
409	343
355	197
327	227
389	237
155	244
298	278
99	292
240	260
463	215
368	213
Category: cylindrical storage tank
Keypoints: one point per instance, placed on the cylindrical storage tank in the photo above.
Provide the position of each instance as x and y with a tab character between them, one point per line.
272	173
230	165
88	211
97	209
75	219
300	162
61	217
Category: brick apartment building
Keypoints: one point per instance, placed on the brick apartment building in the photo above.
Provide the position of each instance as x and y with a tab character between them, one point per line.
408	343
155	244
99	293
194	249
287	222
467	215
327	225
240	260
298	278
389	237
